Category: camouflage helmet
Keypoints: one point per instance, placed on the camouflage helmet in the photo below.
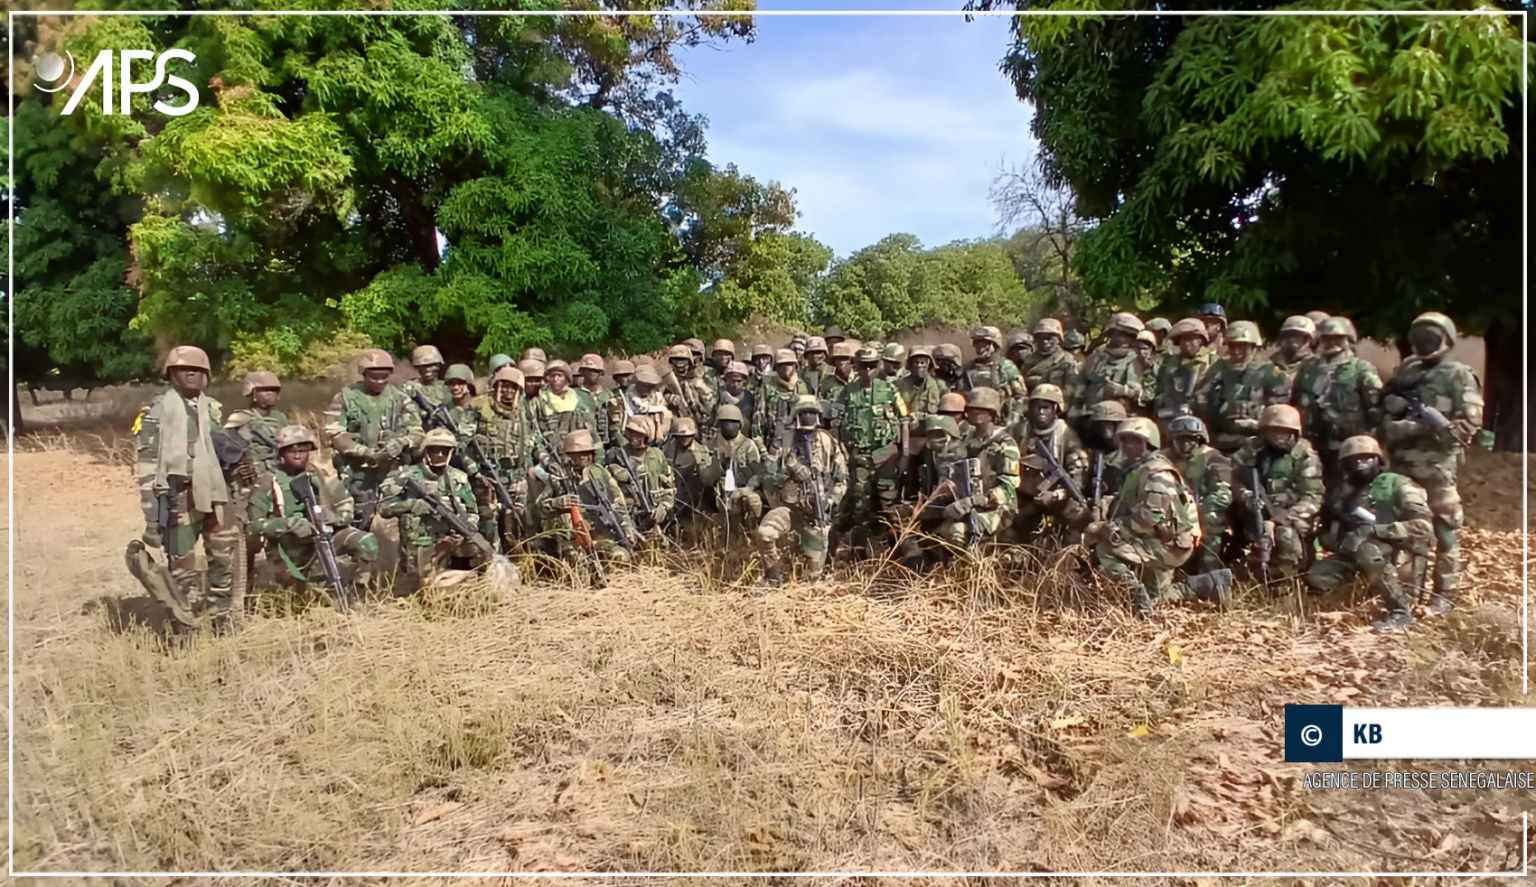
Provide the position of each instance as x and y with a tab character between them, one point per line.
623	367
1440	322
843	349
1073	341
645	374
952	402
895	352
259	379
867	355
578	441
1188	425
737	368
187	356
816	344
1019	340
531	369
292	436
1049	326
683	426
762	349
1360	445
1280	415
535	354
500	360
592	362
1048	392
1338	326
946	351
806	402
679	352
1189	326
1159	325
459	373
638	424
785	355
508	374
1127	323
1148	337
987	334
376	359
695	346
984	399
438	437
1244	331
1317	317
1107	411
1143	428
557	366
920	351
426	355
833	332
1299	323
946	424
728	413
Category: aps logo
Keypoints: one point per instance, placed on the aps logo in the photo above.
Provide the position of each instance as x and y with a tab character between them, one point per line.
55	74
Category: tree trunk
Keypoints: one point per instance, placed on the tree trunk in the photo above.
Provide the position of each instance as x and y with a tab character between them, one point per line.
14	425
1505	401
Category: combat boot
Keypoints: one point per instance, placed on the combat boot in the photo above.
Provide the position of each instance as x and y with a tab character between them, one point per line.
1141	602
1393	621
1214	586
773	576
1440	603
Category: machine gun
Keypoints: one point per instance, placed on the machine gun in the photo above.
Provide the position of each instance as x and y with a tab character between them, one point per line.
450	517
303	488
1054	471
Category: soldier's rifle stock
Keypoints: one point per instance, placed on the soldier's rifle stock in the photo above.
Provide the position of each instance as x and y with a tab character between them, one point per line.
819	509
304	490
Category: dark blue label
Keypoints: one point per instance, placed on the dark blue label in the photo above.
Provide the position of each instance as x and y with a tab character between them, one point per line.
1314	734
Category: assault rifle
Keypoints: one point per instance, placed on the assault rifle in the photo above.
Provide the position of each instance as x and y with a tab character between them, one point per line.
1098	482
438	417
807	447
303	488
563	481
1261	538
642	491
450	517
1412	394
1054	471
962	473
609	516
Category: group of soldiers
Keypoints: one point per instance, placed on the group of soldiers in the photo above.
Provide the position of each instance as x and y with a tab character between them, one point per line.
1166	448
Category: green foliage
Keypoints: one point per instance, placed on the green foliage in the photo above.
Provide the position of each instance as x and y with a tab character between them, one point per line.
285	351
774	277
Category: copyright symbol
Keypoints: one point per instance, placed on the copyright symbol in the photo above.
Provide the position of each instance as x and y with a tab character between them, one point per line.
1311	735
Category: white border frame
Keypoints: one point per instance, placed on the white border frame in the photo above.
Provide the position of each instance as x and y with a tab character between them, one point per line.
11	16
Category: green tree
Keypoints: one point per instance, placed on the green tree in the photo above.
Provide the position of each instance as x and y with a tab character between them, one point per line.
1361	164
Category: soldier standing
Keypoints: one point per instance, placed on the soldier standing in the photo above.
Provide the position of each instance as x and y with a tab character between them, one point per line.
1233	389
762	362
1050	364
644	398
946	365
1378	525
775	396
1112	373
874	427
990	370
1159	328
1279	373
685	391
1020	347
429	542
1281	466
833	383
996	497
1208	474
278	515
1146	351
1434	410
833	335
815	365
644	477
1215	319
721	356
804	477
371	426
1338	394
259	422
1180	375
920	389
584	507
460	380
893	362
533	378
560	409
735	473
503	432
185	495
428	362
591	370
734	391
1042	494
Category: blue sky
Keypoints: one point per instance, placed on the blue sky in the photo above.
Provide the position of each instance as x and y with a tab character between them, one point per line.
881	124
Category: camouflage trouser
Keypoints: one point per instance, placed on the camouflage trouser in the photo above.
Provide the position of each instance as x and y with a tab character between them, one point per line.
1142	565
1291	545
1388	572
355	551
1439	482
606	547
496	522
779	523
221	542
1207	556
872	490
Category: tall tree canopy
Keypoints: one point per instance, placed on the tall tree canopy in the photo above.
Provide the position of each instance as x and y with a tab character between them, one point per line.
1367	165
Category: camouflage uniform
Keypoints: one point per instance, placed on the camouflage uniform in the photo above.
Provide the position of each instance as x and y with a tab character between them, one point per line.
1429	457
689	463
1050	364
921	395
774	398
655	475
248	420
371	435
555	513
789	479
1179	378
998	373
558	416
1293	487
1278	374
503	434
1339	397
427	542
998	456
1111	373
1064	444
871	417
436	393
1208	474
1383	549
740	497
1231	397
690	394
274	513
1153	528
937	465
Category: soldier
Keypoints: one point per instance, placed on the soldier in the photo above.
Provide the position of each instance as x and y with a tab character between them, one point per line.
623	374
696	355
559	409
591	370
185	496
1153	527
460	380
946	365
995	500
1232	391
1112	373
762	362
1215	319
952	404
1075	344
919	388
371	426
1180	376
804	478
645	398
1147	352
428	362
734	391
685	391
1317	318
1434	410
735	473
815	365
1103	448
502	429
535	354
1290	478
832	335
1338	394
893	362
874	427
1208	474
991	370
797	344
260	422
644	477
1378	524
1050	364
775	396
1020	347
1279	372
1042	493
689	460
278	516
721	356
1159	327
428	541
587	507
833	383
497	362
942	449
533	378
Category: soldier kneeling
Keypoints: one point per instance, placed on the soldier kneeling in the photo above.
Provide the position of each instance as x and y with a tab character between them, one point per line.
1379	526
587	510
805	477
437	514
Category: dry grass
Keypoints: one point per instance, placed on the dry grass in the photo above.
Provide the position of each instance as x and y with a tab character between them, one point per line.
975	718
